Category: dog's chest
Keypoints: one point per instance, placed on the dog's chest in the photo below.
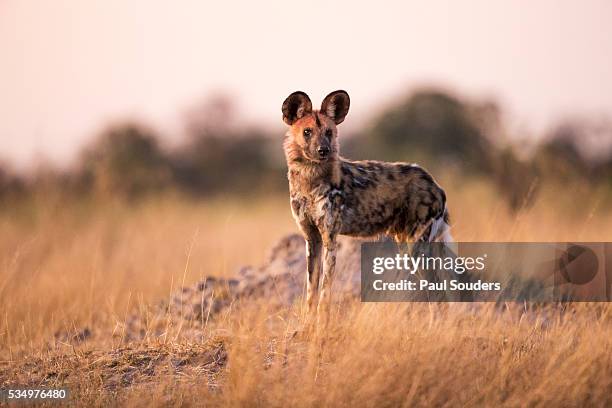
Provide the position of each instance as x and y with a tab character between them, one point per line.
321	206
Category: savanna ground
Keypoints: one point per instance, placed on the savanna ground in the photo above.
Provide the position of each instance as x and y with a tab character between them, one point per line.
72	273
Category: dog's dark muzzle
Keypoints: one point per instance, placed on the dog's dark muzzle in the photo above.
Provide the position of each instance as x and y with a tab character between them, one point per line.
323	152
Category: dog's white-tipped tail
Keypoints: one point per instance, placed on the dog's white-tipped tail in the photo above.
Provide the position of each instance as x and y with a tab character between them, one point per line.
440	230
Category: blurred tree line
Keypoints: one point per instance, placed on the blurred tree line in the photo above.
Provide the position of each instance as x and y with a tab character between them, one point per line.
429	126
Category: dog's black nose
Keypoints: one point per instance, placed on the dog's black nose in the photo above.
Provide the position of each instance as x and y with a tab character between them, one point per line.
323	151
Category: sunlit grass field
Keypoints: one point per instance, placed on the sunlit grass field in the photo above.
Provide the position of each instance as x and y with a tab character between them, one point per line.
67	265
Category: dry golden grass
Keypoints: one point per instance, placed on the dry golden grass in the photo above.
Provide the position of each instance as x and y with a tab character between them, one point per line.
65	266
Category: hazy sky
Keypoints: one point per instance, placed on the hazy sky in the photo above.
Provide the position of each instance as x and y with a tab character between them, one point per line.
68	67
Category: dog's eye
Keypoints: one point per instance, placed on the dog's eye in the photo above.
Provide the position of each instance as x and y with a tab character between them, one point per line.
307	132
328	133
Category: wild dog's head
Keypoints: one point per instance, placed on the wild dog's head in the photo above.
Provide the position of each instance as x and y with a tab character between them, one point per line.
312	135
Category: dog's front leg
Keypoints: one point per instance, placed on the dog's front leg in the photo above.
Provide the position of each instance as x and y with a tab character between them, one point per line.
329	267
313	268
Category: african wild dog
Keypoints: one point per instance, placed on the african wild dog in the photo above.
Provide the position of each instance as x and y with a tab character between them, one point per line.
331	195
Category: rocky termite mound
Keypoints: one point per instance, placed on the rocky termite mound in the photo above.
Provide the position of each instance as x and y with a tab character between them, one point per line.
280	281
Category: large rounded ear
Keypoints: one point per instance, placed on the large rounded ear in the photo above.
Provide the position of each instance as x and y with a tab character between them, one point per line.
295	107
336	106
